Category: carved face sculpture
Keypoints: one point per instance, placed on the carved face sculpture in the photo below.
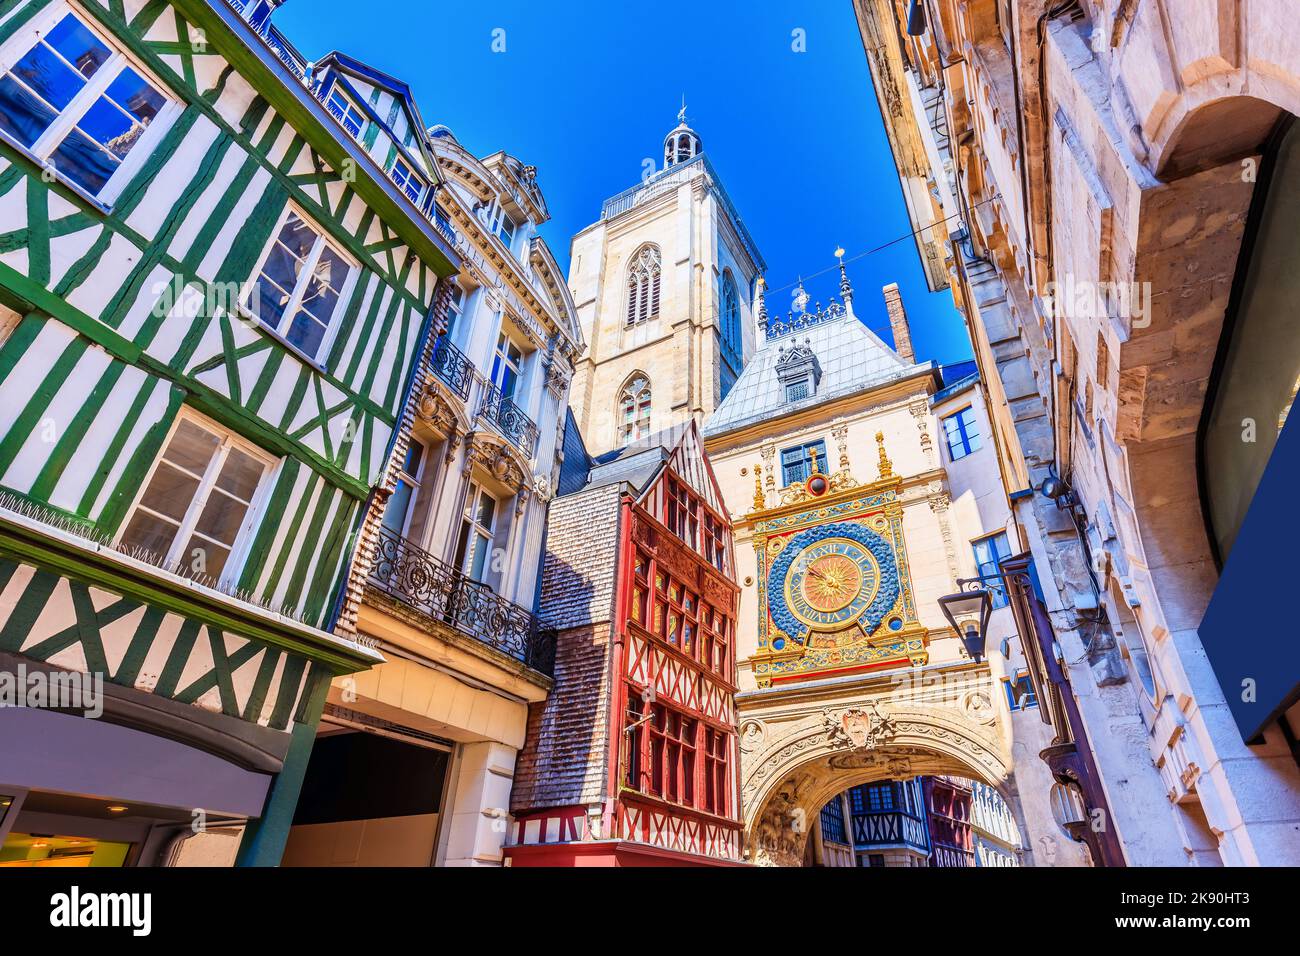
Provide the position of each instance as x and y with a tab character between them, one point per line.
857	727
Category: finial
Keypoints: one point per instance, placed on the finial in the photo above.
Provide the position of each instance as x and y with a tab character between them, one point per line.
886	466
846	290
761	304
800	297
813	451
681	114
760	502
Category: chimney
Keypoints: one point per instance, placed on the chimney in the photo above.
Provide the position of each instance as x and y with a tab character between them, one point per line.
898	323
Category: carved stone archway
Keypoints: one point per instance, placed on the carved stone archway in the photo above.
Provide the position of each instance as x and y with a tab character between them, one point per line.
802	745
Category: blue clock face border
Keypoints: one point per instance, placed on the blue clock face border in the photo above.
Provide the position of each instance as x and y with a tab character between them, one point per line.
880	549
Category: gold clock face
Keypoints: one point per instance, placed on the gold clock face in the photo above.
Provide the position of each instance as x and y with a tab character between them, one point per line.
831	583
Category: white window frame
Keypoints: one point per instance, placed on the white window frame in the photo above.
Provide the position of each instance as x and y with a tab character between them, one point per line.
350	106
234	568
506	340
412	177
469	513
19	45
413	481
507	236
295	299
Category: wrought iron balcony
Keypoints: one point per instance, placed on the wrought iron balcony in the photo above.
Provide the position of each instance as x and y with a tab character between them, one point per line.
509	419
435	589
452	366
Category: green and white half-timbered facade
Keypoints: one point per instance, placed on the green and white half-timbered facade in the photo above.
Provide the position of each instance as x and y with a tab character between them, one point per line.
217	306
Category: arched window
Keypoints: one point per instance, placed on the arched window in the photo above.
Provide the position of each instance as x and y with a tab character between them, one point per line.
729	307
643	286
634	410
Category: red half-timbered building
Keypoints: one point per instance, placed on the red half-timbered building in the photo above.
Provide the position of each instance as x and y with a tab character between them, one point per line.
632	760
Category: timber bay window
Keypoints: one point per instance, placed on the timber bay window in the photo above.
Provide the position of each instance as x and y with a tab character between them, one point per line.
682	512
672	755
960	433
717	745
675	613
350	116
477	529
74	101
199	502
298	287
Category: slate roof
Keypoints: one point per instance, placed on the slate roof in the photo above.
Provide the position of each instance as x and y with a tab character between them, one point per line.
852	358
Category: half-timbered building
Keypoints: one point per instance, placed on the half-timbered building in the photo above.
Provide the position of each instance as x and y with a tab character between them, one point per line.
632	760
214	302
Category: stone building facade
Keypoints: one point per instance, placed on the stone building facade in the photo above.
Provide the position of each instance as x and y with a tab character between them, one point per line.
1096	183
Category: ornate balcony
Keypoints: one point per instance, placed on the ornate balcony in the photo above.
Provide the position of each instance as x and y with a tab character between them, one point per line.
452	366
413	576
509	419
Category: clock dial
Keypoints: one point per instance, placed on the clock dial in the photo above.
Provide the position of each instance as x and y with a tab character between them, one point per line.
830	583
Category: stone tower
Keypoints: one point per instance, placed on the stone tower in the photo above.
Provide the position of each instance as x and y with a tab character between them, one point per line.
664	283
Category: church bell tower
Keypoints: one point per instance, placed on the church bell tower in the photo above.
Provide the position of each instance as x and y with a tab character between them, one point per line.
664	283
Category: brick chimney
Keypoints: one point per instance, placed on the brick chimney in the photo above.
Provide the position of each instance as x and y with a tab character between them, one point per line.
898	323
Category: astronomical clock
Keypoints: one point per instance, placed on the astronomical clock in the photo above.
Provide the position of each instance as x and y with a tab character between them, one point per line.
835	592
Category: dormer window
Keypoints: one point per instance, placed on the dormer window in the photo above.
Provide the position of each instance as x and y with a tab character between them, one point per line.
406	179
349	115
798	390
798	371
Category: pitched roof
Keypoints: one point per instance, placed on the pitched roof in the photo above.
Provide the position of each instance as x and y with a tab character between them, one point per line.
852	359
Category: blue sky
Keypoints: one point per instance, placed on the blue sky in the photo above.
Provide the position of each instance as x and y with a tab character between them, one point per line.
586	91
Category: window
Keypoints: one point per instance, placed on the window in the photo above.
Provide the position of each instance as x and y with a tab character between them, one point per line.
643	286
729	308
477	526
682	512
960	433
717	745
989	553
198	502
797	463
715	637
505	229
402	174
1020	691
76	103
715	542
832	818
672	755
634	411
397	511
506	362
797	391
455	307
299	285
875	859
675	613
349	115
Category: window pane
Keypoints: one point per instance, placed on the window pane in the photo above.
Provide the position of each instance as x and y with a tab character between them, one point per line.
192	447
297	236
133	93
49	77
487	506
240	475
111	128
414	455
170	491
22	115
305	333
480	557
395	510
221	517
214	558
84	161
78	45
150	533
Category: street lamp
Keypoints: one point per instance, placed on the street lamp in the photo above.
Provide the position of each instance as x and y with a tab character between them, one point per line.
968	612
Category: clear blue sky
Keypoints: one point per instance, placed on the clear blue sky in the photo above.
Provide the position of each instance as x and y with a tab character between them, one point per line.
585	91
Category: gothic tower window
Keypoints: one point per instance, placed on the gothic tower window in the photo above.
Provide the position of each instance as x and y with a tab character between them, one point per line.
729	308
634	411
643	286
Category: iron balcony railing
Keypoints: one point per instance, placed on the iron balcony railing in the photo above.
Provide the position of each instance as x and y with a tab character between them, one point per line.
413	576
509	419
454	368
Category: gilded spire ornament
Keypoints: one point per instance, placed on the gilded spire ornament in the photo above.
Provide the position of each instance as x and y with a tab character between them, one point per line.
813	466
846	290
760	502
886	466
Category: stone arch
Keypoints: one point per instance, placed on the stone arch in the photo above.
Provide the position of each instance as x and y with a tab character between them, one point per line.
797	760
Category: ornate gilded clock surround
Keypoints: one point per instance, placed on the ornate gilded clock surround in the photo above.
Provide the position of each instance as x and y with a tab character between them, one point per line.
886	633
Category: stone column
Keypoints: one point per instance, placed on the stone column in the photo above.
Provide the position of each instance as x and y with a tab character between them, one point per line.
478	806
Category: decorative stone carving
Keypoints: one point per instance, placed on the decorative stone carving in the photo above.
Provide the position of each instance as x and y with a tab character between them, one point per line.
859	728
752	735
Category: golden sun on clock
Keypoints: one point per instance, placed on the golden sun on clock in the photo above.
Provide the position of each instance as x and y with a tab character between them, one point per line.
831	583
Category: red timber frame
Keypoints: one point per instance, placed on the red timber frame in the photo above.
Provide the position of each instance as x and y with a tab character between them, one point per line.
673	745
